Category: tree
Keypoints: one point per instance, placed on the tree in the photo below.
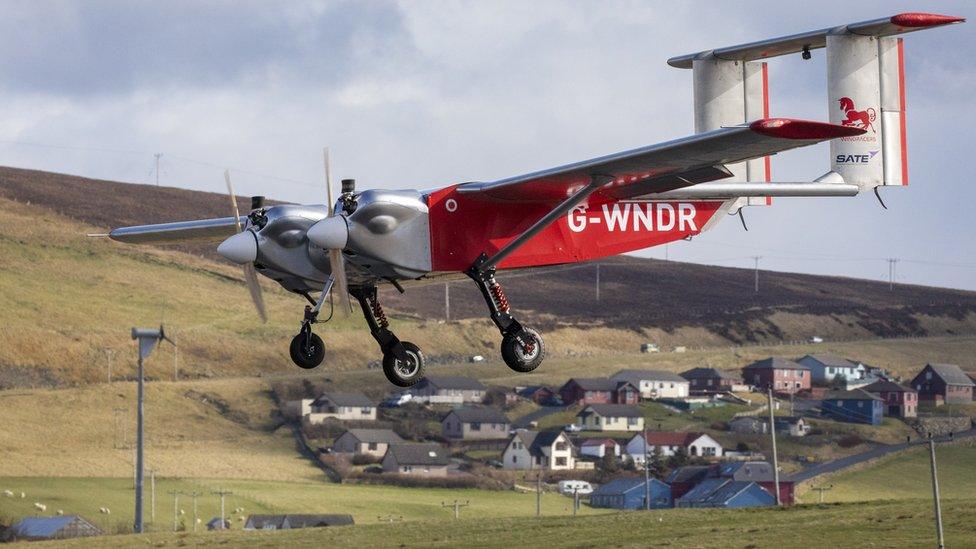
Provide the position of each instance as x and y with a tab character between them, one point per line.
680	458
655	463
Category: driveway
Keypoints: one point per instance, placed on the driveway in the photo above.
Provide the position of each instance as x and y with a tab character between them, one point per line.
843	463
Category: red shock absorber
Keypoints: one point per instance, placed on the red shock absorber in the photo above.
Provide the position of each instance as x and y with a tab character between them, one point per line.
499	294
378	313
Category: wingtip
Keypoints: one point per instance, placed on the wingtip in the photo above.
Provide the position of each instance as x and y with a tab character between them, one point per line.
791	128
921	20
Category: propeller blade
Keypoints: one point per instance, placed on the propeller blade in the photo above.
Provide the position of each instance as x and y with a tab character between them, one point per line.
336	261
235	250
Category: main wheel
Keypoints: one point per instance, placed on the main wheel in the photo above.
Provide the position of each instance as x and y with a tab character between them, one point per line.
405	373
524	357
307	351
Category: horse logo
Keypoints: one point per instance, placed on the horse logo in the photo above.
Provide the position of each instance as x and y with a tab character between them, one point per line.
855	118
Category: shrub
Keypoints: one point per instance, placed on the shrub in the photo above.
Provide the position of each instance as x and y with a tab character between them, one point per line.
849	441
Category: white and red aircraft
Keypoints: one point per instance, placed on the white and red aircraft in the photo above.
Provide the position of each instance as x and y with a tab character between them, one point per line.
595	208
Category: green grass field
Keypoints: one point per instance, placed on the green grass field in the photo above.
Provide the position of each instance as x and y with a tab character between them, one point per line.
906	475
879	524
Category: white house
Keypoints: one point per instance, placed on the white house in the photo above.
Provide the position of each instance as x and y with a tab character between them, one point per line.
655	383
344	406
371	442
667	444
551	450
826	368
599	447
610	417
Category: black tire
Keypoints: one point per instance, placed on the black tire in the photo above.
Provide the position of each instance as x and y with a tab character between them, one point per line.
405	375
517	357
307	352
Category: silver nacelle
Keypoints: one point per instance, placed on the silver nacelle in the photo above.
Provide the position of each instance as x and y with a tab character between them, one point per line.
389	234
284	253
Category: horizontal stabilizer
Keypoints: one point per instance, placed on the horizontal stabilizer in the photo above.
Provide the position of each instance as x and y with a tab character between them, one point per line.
729	191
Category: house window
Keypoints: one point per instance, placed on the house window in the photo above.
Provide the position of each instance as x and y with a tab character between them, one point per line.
560	462
560	446
928	376
514	459
372	446
407	468
632	421
366	410
475	426
708	451
860	404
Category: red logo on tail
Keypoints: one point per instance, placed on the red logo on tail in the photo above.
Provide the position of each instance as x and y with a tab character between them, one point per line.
855	118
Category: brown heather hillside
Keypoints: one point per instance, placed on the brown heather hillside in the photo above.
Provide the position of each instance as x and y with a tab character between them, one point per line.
68	298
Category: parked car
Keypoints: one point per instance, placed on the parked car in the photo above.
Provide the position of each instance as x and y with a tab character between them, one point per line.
570	487
572	428
816	339
396	401
495	463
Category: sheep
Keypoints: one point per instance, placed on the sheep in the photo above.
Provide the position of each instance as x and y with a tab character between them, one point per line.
105	510
40	506
8	493
60	512
23	495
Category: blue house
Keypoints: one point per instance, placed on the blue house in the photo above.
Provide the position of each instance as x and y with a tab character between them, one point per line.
628	493
857	406
726	493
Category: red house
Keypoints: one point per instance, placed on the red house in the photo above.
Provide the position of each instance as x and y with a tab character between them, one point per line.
784	376
899	401
943	384
587	391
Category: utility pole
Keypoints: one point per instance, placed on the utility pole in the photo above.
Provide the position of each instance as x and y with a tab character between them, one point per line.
176	509
575	500
772	435
457	505
822	489
152	490
157	155
176	360
892	266
148	339
597	282
935	493
195	495
222	494
647	475
756	259
538	494
111	354
447	302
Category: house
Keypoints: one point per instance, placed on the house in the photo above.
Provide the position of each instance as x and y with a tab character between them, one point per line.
683	479
550	450
749	425
450	389
943	383
539	394
726	493
599	447
784	376
290	522
795	426
899	401
60	527
598	391
470	423
760	472
705	381
610	417
857	406
655	383
215	524
825	369
342	406
365	442
630	493
428	460
667	444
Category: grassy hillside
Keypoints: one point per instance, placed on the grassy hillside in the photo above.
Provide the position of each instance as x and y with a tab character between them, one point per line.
887	524
906	475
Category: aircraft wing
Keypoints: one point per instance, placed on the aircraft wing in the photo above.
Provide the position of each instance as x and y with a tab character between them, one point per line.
180	231
663	167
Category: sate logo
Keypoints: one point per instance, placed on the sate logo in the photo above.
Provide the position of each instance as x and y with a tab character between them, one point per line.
855	118
856	158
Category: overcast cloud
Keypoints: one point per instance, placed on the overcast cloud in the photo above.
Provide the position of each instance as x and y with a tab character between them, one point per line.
422	94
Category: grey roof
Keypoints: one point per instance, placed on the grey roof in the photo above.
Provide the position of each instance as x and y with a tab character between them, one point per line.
535	440
855	394
635	376
716	491
315	521
478	414
775	363
260	522
386	436
832	361
619	486
951	374
744	419
696	373
46	527
688	473
612	410
419	454
594	383
789	420
344	399
455	382
756	471
886	386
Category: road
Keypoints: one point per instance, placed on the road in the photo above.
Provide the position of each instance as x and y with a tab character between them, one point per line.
849	461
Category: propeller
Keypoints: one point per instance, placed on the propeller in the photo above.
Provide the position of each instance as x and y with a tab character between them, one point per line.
243	248
334	232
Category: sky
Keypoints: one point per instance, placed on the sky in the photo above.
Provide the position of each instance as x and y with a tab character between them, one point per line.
430	93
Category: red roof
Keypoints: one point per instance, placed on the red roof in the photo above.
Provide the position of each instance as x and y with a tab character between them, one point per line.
666	438
599	442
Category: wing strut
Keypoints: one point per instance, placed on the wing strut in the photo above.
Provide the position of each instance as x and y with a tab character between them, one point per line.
484	263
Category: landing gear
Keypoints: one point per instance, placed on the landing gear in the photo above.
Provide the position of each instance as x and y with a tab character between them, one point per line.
403	362
307	349
522	348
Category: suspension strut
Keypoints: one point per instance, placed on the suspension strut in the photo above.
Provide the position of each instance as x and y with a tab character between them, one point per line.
495	298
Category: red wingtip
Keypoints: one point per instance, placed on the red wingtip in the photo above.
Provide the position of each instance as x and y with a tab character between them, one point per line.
916	20
790	128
